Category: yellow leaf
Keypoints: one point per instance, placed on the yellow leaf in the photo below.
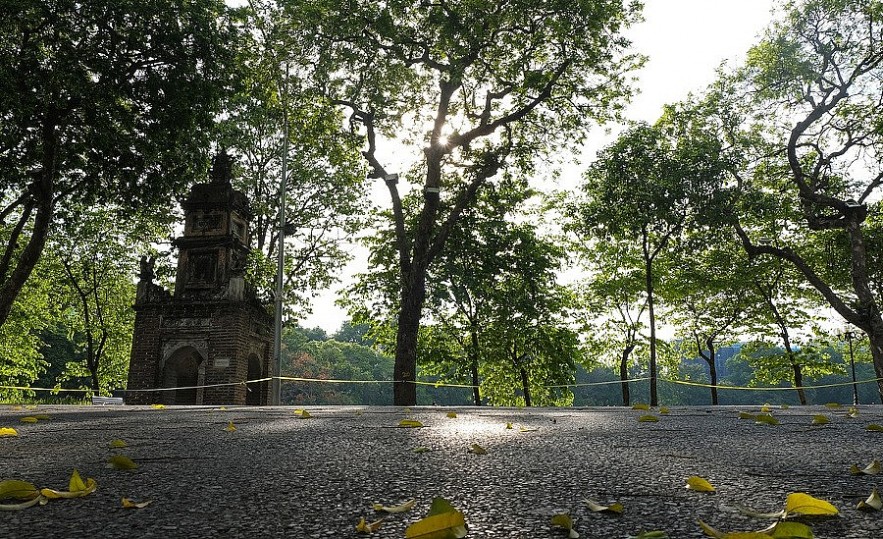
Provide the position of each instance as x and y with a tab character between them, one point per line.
121	462
8	431
401	508
368	527
303	414
871	469
410	423
820	419
132	504
421	449
833	405
595	507
799	503
853	412
77	488
640	406
694	482
222	408
406	410
118	444
158	406
19	490
873	503
765	419
874	427
664	410
442	522
527	429
766	408
746	415
28	419
508	426
477	450
452	415
563	520
788	529
649	418
230	427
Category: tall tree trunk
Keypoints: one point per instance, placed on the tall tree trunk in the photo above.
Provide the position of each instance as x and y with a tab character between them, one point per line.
796	368
876	339
476	392
624	374
712	369
413	296
648	274
525	385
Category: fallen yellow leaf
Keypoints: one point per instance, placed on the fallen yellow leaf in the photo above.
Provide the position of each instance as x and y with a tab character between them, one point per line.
508	426
302	414
711	532
8	431
853	412
158	406
421	449
833	405
28	419
664	410
820	419
442	522
118	444
765	419
766	408
640	406
874	427
230	427
77	488
564	520
132	504
17	489
368	527
121	462
595	507
401	508
527	429
746	415
410	423
649	418
800	503
452	415
477	450
871	469
694	482
873	503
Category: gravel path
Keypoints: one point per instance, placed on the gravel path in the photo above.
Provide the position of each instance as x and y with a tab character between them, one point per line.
281	476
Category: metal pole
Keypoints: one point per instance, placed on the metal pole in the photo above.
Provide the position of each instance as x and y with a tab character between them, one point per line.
276	390
849	337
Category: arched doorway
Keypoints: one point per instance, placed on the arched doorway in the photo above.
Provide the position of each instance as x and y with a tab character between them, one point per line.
256	392
184	368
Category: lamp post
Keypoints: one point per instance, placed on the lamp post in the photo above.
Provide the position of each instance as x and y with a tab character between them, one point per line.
848	336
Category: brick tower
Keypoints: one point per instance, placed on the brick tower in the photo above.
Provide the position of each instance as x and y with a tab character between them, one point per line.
211	331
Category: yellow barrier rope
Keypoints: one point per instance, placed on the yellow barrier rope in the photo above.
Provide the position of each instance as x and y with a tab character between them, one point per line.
443	384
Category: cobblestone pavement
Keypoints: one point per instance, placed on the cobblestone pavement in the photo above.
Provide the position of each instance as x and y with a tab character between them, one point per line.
281	476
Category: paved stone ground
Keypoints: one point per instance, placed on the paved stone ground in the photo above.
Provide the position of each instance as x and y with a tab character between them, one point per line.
280	476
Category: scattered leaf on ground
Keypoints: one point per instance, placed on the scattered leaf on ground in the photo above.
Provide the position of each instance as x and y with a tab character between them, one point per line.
527	429
820	419
118	444
563	520
421	449
302	414
640	406
595	507
121	462
871	469
853	412
477	450
788	529
766	408
368	527
410	423
765	419
746	415
158	406
452	415
132	504
664	410
648	418
77	488
800	503
508	426
443	521
230	427
28	419
8	431
401	508
874	427
833	405
16	489
873	503
694	482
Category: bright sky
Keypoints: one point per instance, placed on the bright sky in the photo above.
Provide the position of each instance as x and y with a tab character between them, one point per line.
686	40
